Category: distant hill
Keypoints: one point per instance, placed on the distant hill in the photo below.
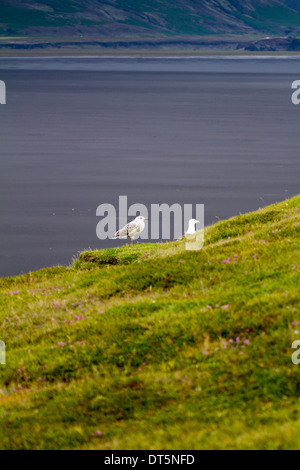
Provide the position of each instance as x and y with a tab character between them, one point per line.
149	18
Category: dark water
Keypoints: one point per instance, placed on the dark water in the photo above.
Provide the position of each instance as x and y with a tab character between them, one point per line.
78	133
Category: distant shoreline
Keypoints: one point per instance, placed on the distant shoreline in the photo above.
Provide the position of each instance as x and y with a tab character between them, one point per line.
79	53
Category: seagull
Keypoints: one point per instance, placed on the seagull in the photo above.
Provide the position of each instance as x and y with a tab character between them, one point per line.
191	228
132	229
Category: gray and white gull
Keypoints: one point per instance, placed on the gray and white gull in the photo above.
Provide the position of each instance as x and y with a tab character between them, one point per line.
132	229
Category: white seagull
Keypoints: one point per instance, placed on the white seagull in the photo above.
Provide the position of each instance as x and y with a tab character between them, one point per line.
132	229
192	227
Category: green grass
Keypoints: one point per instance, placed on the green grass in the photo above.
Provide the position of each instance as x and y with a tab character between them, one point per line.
278	16
269	18
19	18
140	344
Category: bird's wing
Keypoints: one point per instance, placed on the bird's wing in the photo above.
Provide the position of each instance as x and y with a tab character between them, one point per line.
128	229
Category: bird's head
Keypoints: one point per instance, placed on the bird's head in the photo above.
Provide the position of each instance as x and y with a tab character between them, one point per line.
194	222
141	217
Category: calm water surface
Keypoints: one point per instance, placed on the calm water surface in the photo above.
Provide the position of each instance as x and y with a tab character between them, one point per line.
76	133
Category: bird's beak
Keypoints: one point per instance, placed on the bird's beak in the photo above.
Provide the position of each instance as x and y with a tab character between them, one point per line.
198	222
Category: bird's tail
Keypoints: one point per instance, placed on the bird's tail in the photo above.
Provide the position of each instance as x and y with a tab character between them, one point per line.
116	235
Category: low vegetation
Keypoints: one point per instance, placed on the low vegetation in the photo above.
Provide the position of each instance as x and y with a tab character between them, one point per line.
156	347
115	18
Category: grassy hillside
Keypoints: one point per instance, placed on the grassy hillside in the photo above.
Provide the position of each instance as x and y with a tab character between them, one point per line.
115	18
156	347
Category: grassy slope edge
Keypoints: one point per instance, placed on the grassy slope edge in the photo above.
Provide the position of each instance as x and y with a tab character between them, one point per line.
156	347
